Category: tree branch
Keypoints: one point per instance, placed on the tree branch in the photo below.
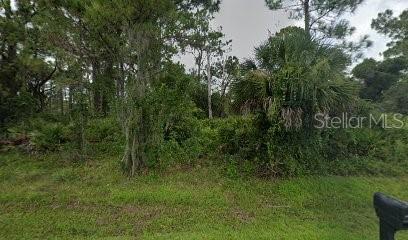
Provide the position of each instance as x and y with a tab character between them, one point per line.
45	80
322	16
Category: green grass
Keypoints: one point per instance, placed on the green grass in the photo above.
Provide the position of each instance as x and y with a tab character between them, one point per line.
45	197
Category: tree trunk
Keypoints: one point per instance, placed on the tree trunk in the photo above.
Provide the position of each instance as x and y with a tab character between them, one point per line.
83	120
224	85
306	12
10	63
199	62
97	96
82	134
61	95
134	119
223	101
120	82
134	157
108	86
130	160
209	77
70	98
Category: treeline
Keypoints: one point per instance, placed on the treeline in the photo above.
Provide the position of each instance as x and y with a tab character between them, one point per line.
99	76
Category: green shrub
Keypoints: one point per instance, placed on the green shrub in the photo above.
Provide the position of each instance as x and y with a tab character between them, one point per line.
14	109
49	137
249	141
238	143
103	130
391	146
187	150
239	136
170	153
345	143
41	135
367	151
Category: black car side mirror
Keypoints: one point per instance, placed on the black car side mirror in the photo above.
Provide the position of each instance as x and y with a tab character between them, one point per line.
393	215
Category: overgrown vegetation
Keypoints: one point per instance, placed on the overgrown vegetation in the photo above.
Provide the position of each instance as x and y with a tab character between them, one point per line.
104	134
94	79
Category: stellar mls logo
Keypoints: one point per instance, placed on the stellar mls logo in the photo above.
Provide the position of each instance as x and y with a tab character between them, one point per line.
385	121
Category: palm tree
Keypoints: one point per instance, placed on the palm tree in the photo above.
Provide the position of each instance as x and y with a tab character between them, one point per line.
297	78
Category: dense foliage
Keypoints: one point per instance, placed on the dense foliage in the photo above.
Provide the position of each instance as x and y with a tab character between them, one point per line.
99	77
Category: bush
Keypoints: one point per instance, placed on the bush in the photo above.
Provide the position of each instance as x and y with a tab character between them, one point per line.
185	151
237	142
346	143
49	137
239	136
14	109
38	135
250	144
367	151
103	130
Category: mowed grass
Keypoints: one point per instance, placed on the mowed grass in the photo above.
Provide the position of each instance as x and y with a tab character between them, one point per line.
45	197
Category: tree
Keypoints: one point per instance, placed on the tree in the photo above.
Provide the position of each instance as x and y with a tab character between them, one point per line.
397	29
24	68
378	77
297	78
396	59
226	70
322	17
139	41
215	46
74	33
141	36
396	98
205	43
116	52
195	38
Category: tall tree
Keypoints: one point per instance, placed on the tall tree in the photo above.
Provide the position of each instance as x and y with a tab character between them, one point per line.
204	43
297	78
377	77
198	20
214	46
136	34
397	29
396	98
226	70
320	16
25	68
141	36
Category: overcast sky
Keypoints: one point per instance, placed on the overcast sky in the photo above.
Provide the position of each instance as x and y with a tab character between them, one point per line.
248	22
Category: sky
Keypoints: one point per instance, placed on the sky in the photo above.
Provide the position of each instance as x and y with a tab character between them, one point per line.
362	18
248	23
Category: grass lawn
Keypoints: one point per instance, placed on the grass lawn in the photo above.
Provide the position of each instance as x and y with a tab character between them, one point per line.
46	198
